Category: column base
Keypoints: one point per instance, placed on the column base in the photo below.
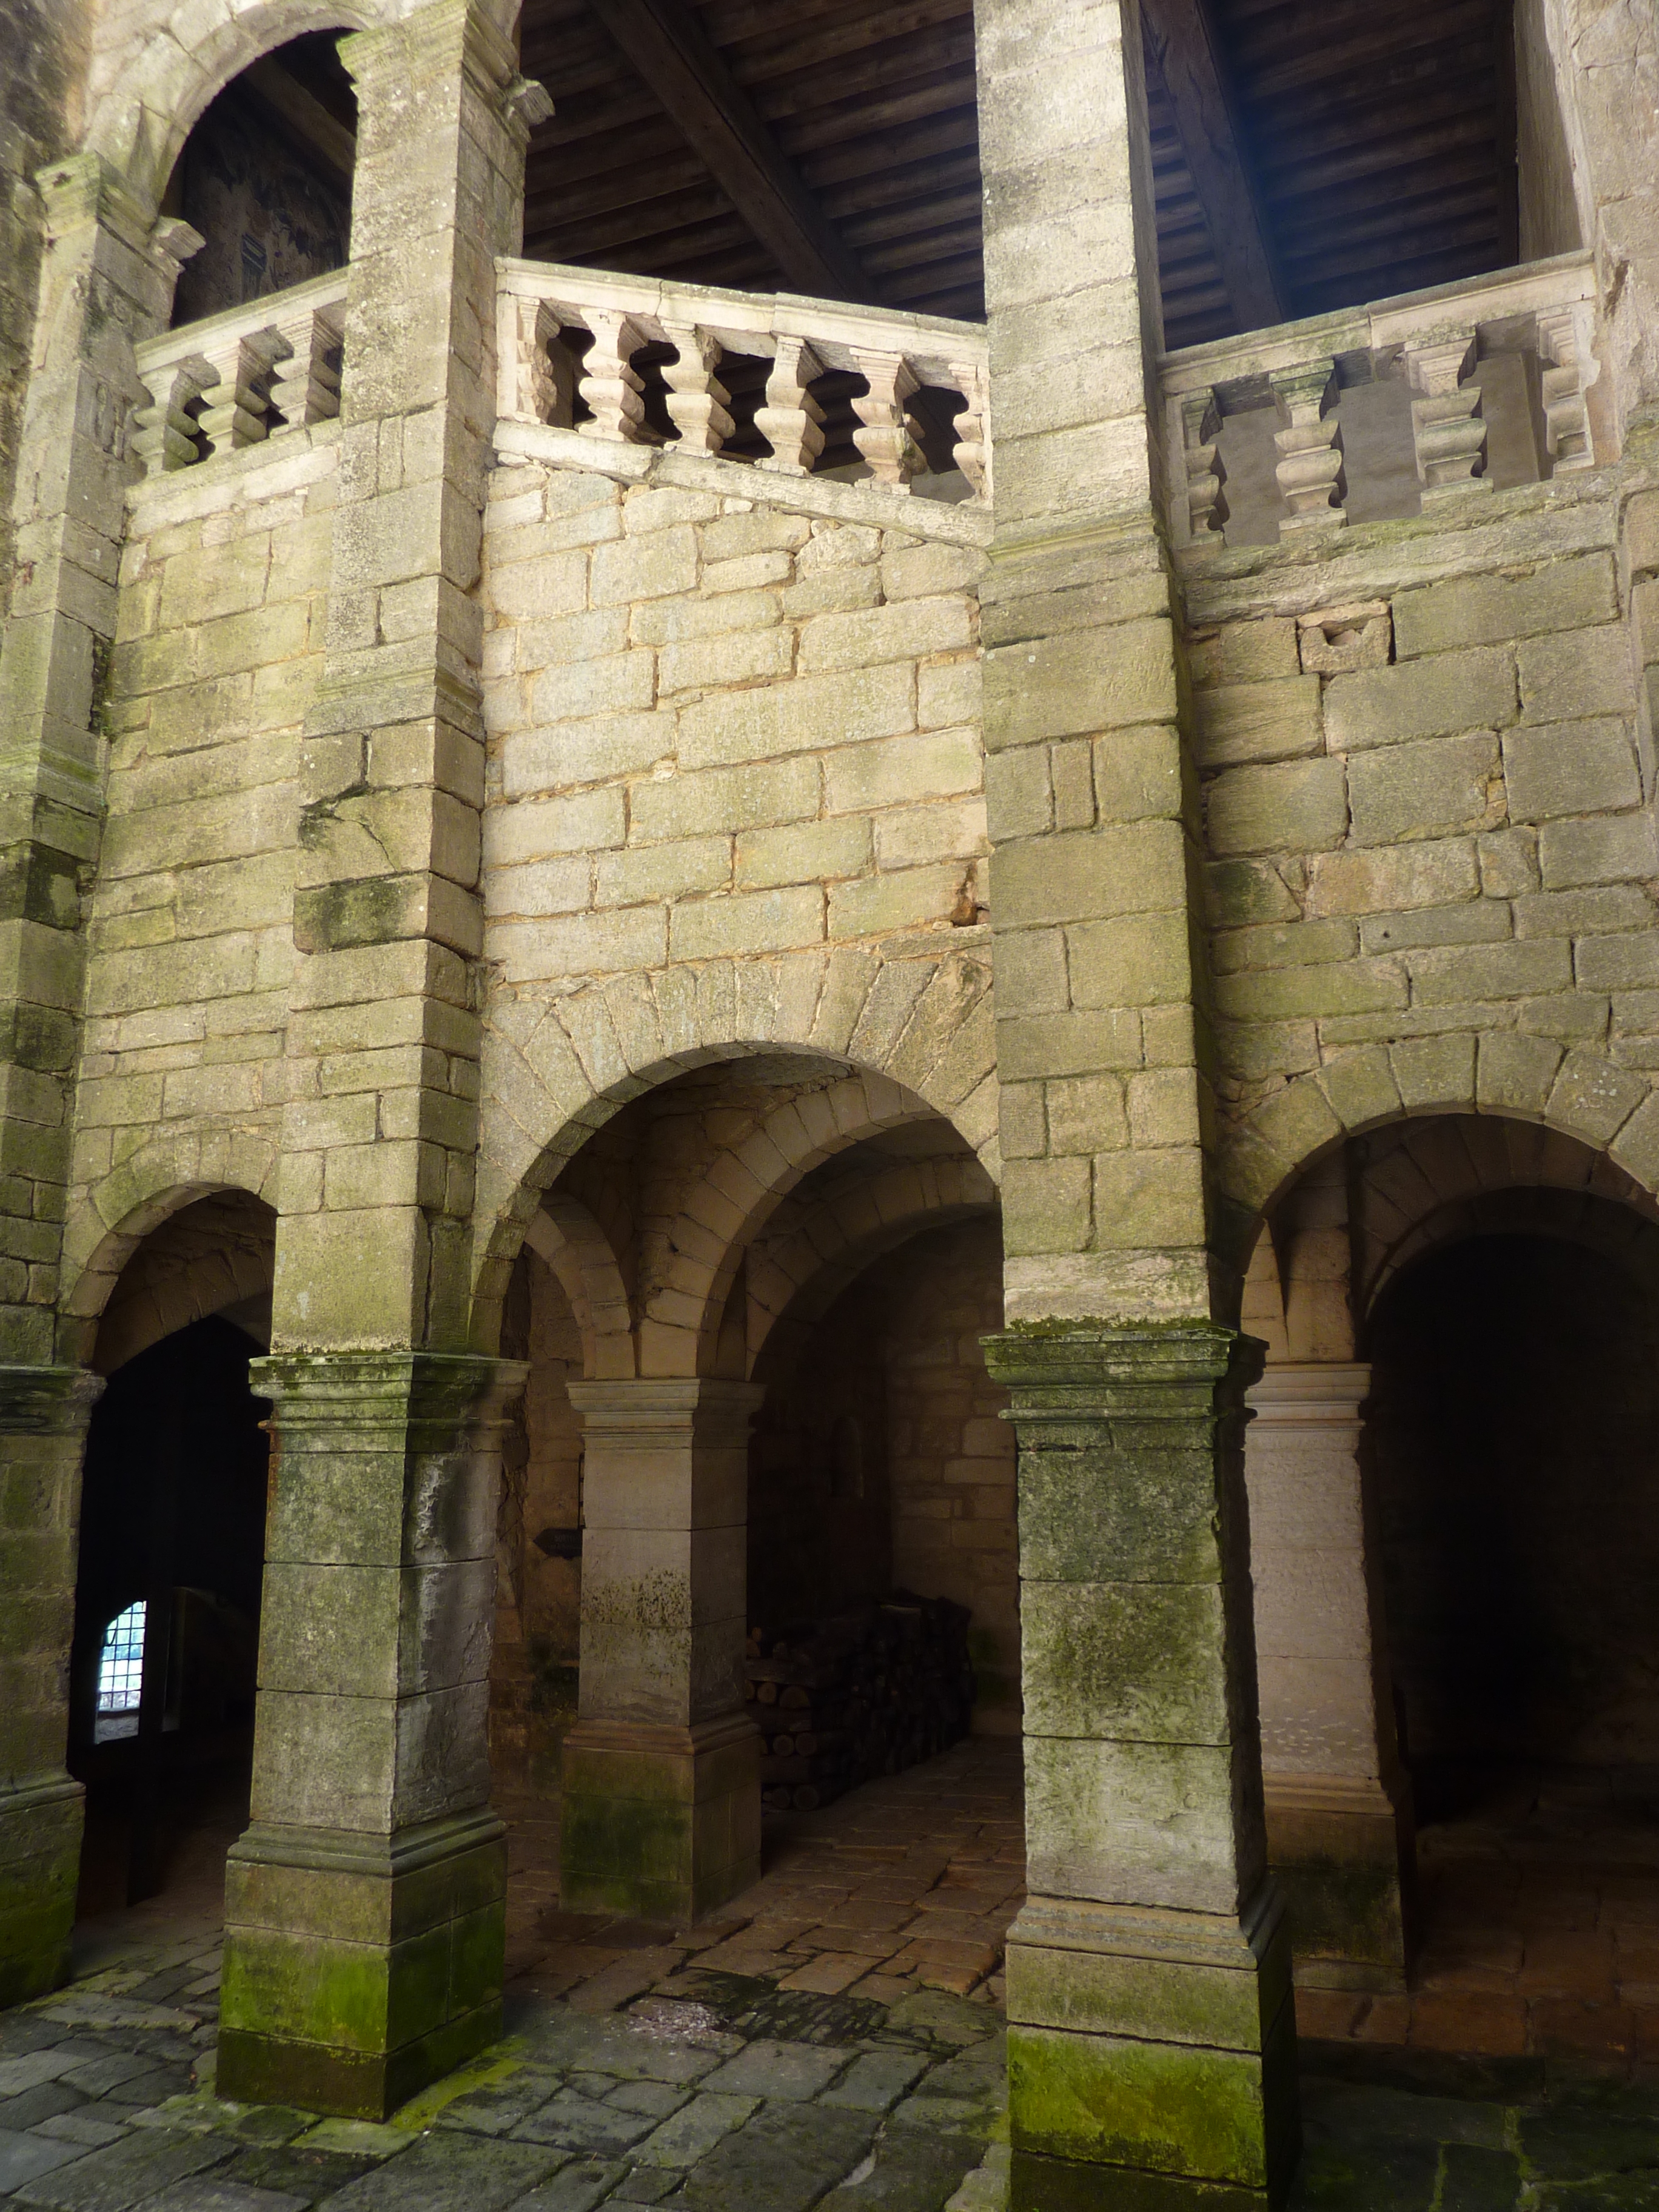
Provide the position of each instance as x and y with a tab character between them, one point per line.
662	1823
1343	1853
1151	2056
359	1968
40	1824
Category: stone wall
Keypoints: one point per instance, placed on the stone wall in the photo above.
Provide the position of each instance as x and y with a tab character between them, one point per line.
719	728
1426	798
190	933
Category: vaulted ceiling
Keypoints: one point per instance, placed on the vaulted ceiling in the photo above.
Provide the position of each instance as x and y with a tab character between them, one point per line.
1306	156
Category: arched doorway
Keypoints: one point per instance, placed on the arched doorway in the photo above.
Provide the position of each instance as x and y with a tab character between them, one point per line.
751	1304
164	1661
1514	1439
265	179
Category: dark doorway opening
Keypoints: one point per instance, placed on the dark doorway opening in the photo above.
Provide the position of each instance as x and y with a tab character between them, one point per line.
165	1656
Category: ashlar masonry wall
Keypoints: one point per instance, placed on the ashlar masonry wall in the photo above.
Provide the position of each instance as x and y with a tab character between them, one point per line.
1427	800
190	933
719	727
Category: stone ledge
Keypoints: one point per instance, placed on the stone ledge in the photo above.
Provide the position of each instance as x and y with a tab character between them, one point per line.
968	523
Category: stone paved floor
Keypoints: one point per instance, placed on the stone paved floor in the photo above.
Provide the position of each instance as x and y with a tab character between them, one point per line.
836	2043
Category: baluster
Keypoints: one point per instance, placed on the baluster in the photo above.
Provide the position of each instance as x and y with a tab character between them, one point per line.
1451	437
165	434
1201	431
1309	467
610	383
884	436
1566	418
305	385
792	421
972	453
697	398
236	404
534	376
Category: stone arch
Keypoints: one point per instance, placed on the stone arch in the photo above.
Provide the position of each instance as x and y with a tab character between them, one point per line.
141	116
568	1064
802	1275
564	1233
214	1255
1521	1079
105	1227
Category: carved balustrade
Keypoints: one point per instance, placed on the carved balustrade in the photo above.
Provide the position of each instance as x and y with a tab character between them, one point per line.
1300	465
242	377
631	361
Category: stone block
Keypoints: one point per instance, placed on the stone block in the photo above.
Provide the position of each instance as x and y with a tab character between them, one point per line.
1086	875
1571	767
1464	611
1383	881
914	571
1471	688
1455	975
649	567
1240	722
1429	789
1132	960
1296	944
1143	1201
1514	1074
1607	849
589	750
1255	652
934	764
1073	1043
802	852
616	683
1075	686
1574	676
907	836
1239	892
1137	774
668	871
1085	1113
1300	806
807	715
534	830
907	898
1481	921
744	922
886	632
1348	986
1045	1206
1619	963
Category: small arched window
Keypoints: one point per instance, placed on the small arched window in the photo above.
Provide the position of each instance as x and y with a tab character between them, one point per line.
120	1675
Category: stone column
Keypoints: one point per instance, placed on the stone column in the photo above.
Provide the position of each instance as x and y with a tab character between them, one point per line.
43	1423
1338	1806
1151	2037
106	279
364	1919
365	1905
659	1810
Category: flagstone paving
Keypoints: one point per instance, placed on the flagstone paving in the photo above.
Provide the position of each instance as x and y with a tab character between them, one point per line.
836	2042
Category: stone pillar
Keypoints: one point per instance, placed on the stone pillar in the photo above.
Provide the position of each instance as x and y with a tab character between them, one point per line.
660	1800
43	1421
365	1905
106	278
1151	2031
1338	1806
1151	2037
364	1919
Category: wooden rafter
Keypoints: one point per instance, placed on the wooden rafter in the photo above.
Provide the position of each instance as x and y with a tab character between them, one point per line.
1178	39
667	45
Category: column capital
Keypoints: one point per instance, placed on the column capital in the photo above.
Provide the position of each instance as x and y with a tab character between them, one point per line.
428	1397
1310	1392
46	1401
1071	1370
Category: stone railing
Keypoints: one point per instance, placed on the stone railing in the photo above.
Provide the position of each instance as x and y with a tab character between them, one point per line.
242	377
1381	412
802	387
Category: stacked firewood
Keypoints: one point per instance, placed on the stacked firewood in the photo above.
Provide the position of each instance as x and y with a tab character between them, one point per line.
842	1700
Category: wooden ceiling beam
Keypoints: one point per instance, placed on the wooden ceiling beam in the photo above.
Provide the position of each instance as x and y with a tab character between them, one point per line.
666	44
1179	39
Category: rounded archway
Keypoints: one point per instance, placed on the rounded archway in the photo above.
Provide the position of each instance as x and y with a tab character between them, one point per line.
164	1660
